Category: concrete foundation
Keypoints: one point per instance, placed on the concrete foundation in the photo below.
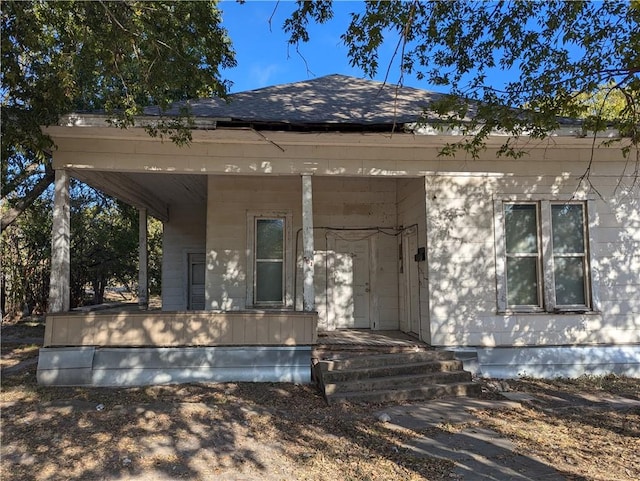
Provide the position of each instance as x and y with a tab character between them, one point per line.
91	366
551	362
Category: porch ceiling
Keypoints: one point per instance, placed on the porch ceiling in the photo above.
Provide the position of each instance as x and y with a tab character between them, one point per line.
152	191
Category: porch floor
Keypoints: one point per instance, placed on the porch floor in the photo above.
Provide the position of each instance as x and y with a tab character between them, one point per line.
364	341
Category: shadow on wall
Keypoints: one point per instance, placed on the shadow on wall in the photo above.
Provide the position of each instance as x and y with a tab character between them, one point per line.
462	266
229	292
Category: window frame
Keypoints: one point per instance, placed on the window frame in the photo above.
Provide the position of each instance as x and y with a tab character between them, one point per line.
251	288
546	275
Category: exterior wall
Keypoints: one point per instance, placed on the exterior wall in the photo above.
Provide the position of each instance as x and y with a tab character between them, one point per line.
462	271
616	248
357	203
460	224
337	204
461	260
229	201
184	233
170	329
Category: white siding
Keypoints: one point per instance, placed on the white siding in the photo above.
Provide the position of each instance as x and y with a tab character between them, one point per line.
230	198
363	180
462	261
337	202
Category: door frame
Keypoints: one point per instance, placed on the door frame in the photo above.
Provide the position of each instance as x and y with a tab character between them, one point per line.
353	235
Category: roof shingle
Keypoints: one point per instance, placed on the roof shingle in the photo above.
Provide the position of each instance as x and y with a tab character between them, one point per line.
332	99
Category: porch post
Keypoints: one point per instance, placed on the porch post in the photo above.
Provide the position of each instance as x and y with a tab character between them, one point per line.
143	282
59	286
308	294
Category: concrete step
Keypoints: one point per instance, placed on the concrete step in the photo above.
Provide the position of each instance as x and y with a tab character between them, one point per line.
433	391
331	376
370	361
396	382
395	377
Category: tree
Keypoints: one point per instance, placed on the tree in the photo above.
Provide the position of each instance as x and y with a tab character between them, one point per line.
104	240
154	246
117	57
26	260
562	52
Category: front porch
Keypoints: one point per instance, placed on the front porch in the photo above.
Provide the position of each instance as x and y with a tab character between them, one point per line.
120	348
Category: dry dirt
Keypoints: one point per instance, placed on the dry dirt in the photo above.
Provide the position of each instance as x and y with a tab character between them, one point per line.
245	431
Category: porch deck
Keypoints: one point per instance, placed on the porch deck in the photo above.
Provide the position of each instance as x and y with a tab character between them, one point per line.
351	342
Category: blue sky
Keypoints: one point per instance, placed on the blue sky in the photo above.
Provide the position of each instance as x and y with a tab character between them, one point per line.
264	57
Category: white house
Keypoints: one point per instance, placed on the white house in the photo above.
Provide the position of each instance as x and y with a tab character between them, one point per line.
319	205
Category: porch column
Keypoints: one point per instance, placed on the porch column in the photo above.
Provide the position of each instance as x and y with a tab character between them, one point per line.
308	294
59	290
143	280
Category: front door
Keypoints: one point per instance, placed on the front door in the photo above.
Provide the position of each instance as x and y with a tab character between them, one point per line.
351	284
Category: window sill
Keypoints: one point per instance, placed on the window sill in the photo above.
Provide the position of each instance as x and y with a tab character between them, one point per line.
555	311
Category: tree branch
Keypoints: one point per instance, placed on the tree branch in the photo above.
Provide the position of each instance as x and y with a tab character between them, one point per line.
22	204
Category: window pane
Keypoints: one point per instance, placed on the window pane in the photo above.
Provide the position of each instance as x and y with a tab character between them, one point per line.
569	277
269	282
522	281
567	225
269	238
520	228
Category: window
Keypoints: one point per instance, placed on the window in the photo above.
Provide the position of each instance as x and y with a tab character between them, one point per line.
269	265
269	261
542	256
522	255
569	254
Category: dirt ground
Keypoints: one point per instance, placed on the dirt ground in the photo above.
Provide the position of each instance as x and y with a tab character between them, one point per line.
245	431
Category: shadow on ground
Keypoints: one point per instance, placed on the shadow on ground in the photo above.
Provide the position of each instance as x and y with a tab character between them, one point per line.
270	432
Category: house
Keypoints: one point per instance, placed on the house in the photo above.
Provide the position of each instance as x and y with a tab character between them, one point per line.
322	205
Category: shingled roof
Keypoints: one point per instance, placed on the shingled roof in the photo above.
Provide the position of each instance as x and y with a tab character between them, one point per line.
329	100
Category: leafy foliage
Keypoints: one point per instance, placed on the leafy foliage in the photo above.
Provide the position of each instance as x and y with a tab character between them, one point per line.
104	240
26	260
104	246
154	252
116	57
562	51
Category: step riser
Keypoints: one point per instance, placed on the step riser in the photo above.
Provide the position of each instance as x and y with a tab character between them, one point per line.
398	370
395	377
424	393
321	350
385	360
387	383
